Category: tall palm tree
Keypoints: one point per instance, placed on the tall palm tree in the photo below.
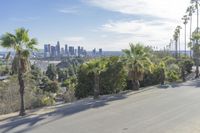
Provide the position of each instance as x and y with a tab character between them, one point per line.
176	37
96	67
196	3
22	45
185	22
190	10
137	60
196	49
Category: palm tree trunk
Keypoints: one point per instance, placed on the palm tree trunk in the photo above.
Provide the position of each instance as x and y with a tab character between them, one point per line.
135	85
190	36
21	91
185	39
183	73
197	69
197	60
21	84
179	43
162	77
176	55
96	87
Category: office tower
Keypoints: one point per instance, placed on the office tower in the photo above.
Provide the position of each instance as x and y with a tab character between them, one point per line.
79	51
82	50
75	52
94	52
71	50
66	49
53	51
47	50
62	51
100	52
58	48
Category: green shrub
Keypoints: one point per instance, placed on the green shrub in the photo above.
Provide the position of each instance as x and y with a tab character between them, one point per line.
173	73
188	65
48	100
172	76
69	95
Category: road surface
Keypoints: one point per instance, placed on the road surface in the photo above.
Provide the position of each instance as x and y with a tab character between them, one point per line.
172	110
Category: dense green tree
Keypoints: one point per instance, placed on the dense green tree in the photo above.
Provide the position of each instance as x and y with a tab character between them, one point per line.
36	73
48	85
22	45
51	72
85	83
62	74
113	79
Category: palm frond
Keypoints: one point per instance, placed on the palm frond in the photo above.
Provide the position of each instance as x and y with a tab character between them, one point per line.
8	40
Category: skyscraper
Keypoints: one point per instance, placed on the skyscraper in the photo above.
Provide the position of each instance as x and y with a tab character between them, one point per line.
94	52
62	51
58	48
47	50
79	51
66	49
53	51
100	52
71	50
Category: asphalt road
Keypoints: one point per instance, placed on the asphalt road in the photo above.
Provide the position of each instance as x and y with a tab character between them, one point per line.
172	110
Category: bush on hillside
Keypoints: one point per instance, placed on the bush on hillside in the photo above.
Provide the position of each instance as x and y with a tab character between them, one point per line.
10	99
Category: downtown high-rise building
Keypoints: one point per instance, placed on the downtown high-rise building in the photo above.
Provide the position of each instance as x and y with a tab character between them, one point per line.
71	51
100	52
58	51
58	48
62	51
47	50
66	49
79	51
53	51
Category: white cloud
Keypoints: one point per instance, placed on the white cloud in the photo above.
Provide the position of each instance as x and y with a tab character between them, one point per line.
164	16
170	9
140	28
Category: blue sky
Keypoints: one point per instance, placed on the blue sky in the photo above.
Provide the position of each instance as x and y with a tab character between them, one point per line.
107	24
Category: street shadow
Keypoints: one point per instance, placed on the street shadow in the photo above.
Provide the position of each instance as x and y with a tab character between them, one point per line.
29	122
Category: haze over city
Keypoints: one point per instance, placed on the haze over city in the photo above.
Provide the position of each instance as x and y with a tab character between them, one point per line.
107	24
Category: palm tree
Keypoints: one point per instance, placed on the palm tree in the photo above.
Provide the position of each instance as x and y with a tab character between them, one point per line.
96	67
190	11
196	4
196	49
176	37
137	61
185	22
22	45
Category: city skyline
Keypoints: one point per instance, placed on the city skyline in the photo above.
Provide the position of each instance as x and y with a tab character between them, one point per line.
56	50
95	23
